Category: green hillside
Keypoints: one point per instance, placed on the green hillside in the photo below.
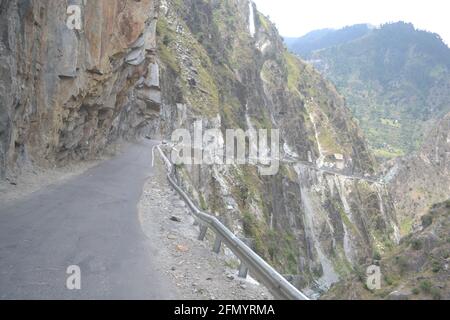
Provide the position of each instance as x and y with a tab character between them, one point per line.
396	81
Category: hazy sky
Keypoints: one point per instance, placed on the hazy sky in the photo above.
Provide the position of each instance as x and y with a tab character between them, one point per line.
297	17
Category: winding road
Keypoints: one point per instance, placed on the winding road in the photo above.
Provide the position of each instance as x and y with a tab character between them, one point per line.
90	221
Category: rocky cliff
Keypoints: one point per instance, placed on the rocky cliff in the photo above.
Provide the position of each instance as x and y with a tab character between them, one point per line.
418	181
66	93
415	270
419	267
223	62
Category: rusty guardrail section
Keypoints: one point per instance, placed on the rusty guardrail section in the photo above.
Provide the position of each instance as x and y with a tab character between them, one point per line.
261	270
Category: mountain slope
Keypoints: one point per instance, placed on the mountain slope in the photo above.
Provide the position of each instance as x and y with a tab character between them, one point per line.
417	269
147	68
396	80
422	179
322	214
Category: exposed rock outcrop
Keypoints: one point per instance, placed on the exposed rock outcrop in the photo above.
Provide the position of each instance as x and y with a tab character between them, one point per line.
323	213
415	270
422	179
65	94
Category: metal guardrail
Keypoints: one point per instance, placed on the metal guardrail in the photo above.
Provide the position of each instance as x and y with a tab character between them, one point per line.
261	270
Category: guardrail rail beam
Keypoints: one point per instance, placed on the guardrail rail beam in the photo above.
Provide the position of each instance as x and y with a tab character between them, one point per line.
260	269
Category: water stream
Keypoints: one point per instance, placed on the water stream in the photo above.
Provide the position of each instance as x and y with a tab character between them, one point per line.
251	20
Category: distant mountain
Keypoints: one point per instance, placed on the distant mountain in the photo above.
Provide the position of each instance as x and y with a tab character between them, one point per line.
326	38
396	79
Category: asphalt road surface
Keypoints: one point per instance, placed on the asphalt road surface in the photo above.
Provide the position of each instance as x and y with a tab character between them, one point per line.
90	221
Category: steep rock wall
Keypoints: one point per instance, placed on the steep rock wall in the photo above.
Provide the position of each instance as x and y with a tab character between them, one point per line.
65	94
323	213
419	181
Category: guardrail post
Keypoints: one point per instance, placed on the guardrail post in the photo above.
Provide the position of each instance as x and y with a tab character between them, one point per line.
243	269
217	244
203	230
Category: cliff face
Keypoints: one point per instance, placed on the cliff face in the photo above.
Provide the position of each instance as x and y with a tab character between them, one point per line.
224	63
422	179
417	269
65	94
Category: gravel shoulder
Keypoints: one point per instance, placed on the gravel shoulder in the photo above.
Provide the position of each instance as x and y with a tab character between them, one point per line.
195	270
